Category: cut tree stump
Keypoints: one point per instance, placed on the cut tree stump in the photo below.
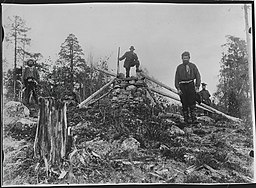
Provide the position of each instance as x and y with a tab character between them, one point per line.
51	133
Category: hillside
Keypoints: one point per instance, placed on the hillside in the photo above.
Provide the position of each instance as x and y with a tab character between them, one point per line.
127	136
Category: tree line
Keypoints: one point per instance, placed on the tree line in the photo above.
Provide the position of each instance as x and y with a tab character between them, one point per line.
72	72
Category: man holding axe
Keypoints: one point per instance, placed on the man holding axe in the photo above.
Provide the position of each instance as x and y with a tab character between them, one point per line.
131	60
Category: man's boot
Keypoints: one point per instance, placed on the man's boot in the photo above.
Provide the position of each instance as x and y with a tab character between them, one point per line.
193	114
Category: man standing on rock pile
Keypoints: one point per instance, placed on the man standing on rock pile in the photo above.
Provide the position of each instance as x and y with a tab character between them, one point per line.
131	59
185	75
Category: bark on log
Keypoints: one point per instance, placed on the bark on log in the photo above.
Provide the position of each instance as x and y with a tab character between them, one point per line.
51	133
86	101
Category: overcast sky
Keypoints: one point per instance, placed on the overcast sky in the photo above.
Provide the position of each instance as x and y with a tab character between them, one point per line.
159	33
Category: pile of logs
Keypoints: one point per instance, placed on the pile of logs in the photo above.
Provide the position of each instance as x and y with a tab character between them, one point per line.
52	132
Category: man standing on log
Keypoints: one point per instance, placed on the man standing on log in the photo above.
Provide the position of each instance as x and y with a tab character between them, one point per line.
185	75
131	59
205	95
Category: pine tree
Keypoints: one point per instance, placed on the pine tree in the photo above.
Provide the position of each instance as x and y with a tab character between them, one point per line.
233	90
71	59
18	35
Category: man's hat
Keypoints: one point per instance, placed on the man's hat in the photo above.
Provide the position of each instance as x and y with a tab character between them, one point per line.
132	48
30	61
204	84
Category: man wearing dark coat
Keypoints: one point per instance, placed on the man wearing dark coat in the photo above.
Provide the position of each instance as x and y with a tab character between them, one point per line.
205	95
185	75
131	60
30	79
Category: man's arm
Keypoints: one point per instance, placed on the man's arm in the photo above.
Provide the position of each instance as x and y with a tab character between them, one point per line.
177	79
121	58
209	93
198	77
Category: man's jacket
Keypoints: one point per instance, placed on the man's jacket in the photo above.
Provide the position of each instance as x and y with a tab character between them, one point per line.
205	96
189	73
130	59
30	72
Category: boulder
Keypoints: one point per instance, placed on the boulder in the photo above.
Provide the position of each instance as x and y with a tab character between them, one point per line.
174	130
26	122
15	109
132	82
205	119
131	87
130	144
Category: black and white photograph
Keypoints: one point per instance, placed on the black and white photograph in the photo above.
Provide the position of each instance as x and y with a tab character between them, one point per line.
130	93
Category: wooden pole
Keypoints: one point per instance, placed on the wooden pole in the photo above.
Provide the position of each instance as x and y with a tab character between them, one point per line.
118	60
159	83
95	93
104	95
106	72
175	98
206	107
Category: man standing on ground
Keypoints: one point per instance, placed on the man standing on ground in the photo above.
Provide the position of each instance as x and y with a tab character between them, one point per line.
30	79
185	75
205	95
131	59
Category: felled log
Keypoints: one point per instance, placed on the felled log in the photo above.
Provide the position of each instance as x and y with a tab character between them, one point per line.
106	72
201	106
51	133
101	97
86	101
174	97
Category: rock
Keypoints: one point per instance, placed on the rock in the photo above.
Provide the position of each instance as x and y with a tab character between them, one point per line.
131	87
174	130
170	122
132	82
114	99
122	97
188	130
124	84
26	122
117	86
15	109
205	119
140	83
130	144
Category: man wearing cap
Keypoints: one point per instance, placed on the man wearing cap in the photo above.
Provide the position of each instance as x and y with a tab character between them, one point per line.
30	79
185	75
131	60
205	95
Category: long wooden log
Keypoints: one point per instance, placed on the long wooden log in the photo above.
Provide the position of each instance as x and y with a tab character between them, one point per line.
202	106
104	95
174	97
86	101
159	83
106	72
